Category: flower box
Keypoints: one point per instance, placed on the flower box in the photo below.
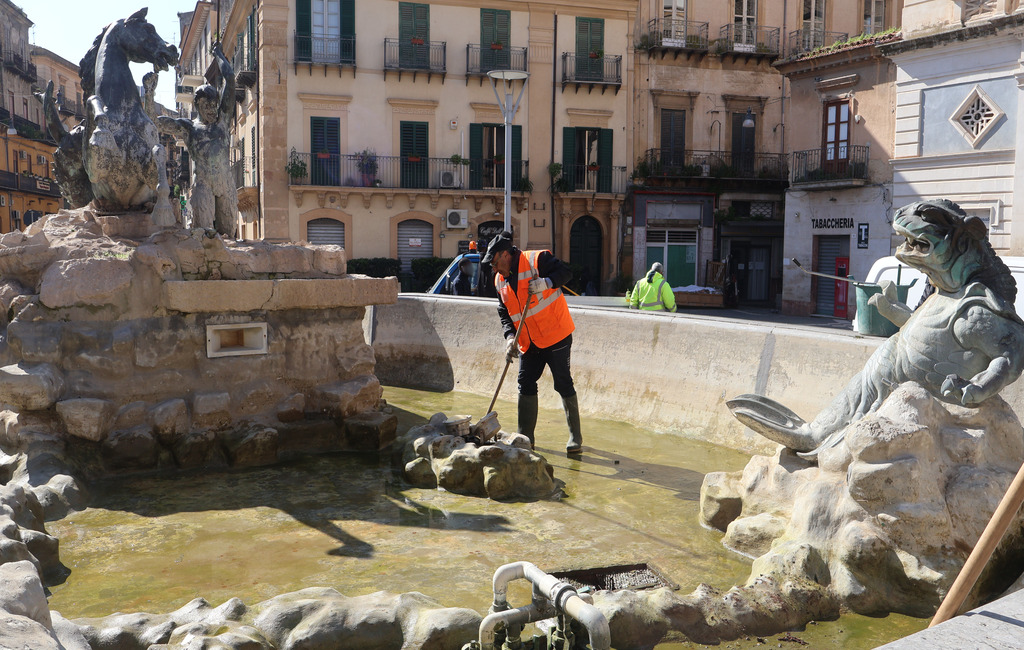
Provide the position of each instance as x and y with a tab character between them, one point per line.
415	158
416	41
698	299
323	155
496	46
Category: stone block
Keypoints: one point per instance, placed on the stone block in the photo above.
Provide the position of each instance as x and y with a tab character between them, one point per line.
31	387
194	449
211	410
23	632
311	436
21	593
25	263
329	259
90	281
251	446
720	501
131	225
344	399
198	296
292	408
86	418
370	431
35	342
131	415
170	343
134	448
257	398
170	419
217	295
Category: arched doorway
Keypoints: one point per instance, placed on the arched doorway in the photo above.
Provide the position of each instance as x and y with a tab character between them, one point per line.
585	253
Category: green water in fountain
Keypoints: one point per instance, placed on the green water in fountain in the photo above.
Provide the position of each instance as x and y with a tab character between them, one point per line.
344	521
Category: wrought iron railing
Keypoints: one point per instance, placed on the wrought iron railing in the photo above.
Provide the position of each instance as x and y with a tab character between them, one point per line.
20	64
481	59
748	39
578	68
678	33
837	163
335	50
69	106
28	183
591	178
689	163
415	54
244	62
807	40
413	172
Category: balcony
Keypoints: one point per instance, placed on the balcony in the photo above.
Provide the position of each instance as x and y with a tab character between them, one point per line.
748	41
481	59
416	56
244	63
69	107
480	180
28	183
831	167
592	71
338	51
668	36
20	65
183	94
192	76
602	179
659	167
802	41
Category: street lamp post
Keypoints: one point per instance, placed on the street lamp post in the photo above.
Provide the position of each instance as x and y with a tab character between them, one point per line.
508	111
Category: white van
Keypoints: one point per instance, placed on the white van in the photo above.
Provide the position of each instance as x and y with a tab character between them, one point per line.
890	268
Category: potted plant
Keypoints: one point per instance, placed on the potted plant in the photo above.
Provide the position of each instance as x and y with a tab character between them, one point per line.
366	163
499	159
323	154
597	54
497	45
296	167
525	185
456	159
414	159
593	167
416	40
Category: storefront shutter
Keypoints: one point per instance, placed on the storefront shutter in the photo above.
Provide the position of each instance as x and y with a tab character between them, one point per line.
325	231
829	248
415	240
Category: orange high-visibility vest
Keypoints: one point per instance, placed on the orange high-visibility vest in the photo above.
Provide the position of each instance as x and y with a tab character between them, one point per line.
547	314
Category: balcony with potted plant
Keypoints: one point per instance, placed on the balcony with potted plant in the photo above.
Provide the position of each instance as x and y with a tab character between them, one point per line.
416	55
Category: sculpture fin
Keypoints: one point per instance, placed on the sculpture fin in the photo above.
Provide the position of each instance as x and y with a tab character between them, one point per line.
773	421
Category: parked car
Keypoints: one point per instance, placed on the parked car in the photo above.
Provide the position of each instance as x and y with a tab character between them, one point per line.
890	268
482	283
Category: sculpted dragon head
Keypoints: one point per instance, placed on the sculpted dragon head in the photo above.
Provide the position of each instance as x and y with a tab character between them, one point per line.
950	247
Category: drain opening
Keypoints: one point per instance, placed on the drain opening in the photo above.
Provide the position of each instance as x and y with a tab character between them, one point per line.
623	576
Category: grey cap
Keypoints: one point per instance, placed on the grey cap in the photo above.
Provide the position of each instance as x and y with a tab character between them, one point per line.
501	242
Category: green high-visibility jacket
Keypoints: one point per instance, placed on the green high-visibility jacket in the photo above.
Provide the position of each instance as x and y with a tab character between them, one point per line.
653	294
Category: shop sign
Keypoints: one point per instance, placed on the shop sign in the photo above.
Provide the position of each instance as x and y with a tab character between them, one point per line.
835	223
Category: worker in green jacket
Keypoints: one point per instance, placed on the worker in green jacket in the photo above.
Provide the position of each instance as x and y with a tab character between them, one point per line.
652	292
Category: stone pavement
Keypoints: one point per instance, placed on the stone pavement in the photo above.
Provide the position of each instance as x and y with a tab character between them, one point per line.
999	624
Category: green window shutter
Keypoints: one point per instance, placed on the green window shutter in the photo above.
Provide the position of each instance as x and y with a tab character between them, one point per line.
476	155
250	53
325	135
487	33
303	30
348	17
568	157
413	20
517	155
414	142
604	160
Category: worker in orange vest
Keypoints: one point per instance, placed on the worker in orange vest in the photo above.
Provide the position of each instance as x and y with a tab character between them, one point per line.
533	279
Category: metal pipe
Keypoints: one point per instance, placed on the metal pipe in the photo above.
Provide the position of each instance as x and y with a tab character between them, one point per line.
514	620
560	594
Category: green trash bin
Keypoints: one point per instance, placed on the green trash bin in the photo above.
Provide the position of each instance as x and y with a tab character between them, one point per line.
869	321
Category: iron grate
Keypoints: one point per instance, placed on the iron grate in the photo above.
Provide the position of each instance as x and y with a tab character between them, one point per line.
623	576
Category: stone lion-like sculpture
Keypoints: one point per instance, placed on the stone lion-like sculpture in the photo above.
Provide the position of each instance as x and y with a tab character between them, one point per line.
963	344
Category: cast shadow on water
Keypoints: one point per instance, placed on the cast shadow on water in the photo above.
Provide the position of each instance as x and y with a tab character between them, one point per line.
321	492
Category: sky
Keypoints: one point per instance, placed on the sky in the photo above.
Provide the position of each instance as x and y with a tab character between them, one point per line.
68	27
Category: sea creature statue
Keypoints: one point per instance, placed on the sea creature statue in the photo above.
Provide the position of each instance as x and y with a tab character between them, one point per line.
109	158
963	344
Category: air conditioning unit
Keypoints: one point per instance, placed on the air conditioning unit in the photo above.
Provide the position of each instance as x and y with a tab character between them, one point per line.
457	219
449	179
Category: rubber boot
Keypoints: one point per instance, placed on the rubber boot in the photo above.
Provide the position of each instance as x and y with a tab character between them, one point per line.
572	418
528	416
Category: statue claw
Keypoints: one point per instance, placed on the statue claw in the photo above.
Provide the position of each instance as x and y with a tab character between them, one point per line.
773	421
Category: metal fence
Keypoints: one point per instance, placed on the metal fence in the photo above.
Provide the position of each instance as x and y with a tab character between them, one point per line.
27	183
413	172
749	39
481	59
415	54
338	50
591	178
807	40
830	164
662	163
678	33
577	68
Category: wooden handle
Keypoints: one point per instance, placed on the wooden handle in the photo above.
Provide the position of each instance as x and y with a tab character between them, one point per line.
508	362
990	538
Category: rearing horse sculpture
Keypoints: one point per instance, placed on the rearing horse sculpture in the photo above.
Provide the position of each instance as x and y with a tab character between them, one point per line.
117	142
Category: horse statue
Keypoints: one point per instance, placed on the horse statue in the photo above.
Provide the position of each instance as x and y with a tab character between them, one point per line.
110	159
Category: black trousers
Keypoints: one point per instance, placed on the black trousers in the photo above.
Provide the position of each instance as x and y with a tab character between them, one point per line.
556	357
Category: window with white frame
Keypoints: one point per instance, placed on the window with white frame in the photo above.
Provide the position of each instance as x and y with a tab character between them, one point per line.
745	22
874	16
813	24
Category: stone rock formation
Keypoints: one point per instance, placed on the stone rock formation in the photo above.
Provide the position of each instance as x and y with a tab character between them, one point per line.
505	469
884	521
